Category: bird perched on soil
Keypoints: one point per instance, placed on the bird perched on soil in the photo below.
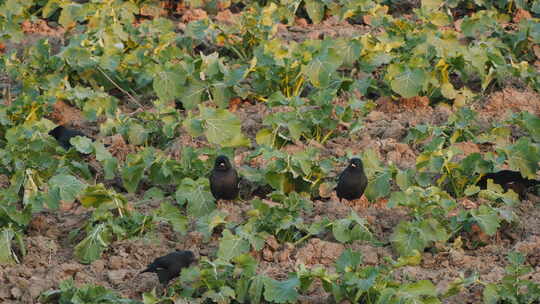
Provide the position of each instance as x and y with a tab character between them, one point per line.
224	179
509	180
63	135
352	181
169	266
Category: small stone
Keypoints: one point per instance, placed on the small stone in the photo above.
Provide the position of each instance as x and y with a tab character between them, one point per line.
115	262
267	255
16	292
369	254
272	242
98	266
116	276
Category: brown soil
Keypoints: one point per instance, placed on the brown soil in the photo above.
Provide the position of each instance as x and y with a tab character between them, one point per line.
50	256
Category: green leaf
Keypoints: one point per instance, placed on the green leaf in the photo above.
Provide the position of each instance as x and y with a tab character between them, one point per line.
487	219
193	95
7	254
321	69
223	128
348	260
417	289
173	215
407	237
490	294
93	245
208	222
169	83
409	83
315	10
196	194
524	156
256	288
281	291
68	187
532	124
137	134
82	144
351	229
264	137
380	187
231	246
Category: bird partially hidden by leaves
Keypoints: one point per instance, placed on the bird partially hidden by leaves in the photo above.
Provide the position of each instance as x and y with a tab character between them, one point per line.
509	179
63	135
224	180
169	266
352	182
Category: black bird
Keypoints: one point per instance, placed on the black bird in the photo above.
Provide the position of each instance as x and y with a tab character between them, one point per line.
352	181
223	179
63	135
508	180
169	266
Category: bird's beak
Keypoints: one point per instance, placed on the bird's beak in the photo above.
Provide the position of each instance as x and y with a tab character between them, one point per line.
222	165
353	165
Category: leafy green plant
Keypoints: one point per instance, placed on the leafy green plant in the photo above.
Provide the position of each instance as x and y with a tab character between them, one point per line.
88	293
513	288
111	220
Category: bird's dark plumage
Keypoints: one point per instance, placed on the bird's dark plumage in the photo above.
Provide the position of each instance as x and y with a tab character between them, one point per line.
508	180
352	181
169	266
224	179
63	135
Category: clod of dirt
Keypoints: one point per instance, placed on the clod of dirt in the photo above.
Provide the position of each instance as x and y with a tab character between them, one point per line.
369	253
194	15
117	276
317	251
65	114
510	99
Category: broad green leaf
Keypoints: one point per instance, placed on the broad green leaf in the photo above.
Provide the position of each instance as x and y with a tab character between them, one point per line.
172	214
490	294
93	245
193	94
281	291
432	5
256	288
409	83
231	246
169	83
380	187
208	222
68	187
137	134
532	124
7	254
407	237
264	137
322	68
487	219
418	289
351	229
348	260
315	10
524	156
82	144
223	128
196	193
